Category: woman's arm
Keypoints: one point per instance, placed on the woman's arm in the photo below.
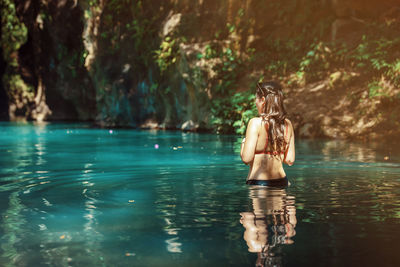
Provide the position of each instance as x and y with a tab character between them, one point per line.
250	141
290	153
241	146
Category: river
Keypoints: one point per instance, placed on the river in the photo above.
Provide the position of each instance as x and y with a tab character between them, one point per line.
74	195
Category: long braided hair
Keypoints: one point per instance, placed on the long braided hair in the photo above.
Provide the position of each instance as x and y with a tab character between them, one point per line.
274	114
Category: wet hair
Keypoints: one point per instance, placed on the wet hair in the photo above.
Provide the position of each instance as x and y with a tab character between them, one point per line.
274	114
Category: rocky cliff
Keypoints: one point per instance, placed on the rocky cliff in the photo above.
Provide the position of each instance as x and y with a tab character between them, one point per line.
192	64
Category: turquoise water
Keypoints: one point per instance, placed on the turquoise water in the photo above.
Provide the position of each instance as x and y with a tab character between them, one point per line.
72	195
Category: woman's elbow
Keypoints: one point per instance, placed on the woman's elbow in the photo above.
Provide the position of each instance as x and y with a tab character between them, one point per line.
289	162
247	160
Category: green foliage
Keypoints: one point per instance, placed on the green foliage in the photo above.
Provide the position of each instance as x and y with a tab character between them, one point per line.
127	28
167	54
13	32
93	2
316	57
283	57
17	88
375	58
231	63
210	52
13	35
153	88
375	89
379	58
232	113
314	64
228	70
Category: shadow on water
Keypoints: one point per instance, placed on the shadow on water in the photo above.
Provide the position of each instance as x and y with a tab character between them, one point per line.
270	224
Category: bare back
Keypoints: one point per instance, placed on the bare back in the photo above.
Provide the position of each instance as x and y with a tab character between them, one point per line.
266	166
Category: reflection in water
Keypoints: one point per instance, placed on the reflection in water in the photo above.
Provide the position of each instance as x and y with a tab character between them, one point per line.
339	151
13	231
270	224
33	219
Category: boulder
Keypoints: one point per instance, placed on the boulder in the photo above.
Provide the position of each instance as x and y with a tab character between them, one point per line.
171	23
189	126
150	124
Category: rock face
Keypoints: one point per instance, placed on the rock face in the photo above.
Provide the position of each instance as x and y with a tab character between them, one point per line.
127	63
3	94
49	74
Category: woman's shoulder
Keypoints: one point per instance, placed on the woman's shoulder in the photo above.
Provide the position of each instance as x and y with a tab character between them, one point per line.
289	126
255	121
288	122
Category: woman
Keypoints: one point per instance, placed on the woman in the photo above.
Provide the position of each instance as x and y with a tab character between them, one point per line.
269	140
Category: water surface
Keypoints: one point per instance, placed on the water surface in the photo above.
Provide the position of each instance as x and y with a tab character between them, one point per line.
72	195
